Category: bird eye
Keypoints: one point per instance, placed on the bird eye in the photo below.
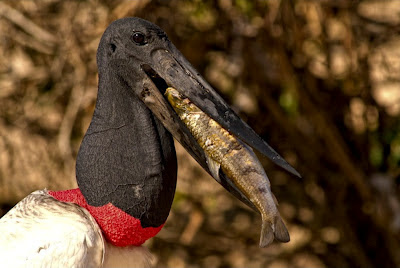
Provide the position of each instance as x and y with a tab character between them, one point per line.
139	38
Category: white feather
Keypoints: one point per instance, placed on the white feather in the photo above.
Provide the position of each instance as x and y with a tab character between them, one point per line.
41	231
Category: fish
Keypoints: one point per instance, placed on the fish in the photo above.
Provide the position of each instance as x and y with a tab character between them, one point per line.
237	160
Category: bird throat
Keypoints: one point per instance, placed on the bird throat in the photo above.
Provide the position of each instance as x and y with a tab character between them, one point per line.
118	227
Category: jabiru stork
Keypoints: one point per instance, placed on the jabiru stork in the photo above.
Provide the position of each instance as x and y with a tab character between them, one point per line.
126	167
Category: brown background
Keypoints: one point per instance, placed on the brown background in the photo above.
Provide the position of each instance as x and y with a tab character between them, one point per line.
318	80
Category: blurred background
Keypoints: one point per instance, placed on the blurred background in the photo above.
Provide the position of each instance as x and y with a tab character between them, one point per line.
318	80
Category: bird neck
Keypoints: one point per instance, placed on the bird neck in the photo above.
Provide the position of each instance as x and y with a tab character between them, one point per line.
118	227
127	158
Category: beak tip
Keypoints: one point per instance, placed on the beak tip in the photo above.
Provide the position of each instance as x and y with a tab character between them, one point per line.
286	166
295	172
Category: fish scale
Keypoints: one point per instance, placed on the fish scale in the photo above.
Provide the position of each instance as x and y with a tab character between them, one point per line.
236	160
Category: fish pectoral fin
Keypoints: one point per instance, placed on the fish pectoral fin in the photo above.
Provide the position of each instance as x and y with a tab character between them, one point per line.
281	233
214	167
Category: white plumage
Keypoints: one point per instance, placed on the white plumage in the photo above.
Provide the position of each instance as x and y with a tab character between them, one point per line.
41	231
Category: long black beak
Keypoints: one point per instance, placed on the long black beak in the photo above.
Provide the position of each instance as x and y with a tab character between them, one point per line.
171	68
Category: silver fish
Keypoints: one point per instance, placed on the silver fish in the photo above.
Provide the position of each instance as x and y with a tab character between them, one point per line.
237	160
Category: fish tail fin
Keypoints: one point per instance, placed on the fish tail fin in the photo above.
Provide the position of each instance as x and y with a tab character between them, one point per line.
267	234
281	232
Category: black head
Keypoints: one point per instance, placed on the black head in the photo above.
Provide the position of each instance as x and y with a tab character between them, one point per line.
127	157
127	44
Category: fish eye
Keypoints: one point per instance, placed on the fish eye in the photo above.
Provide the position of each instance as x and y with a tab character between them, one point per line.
139	38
